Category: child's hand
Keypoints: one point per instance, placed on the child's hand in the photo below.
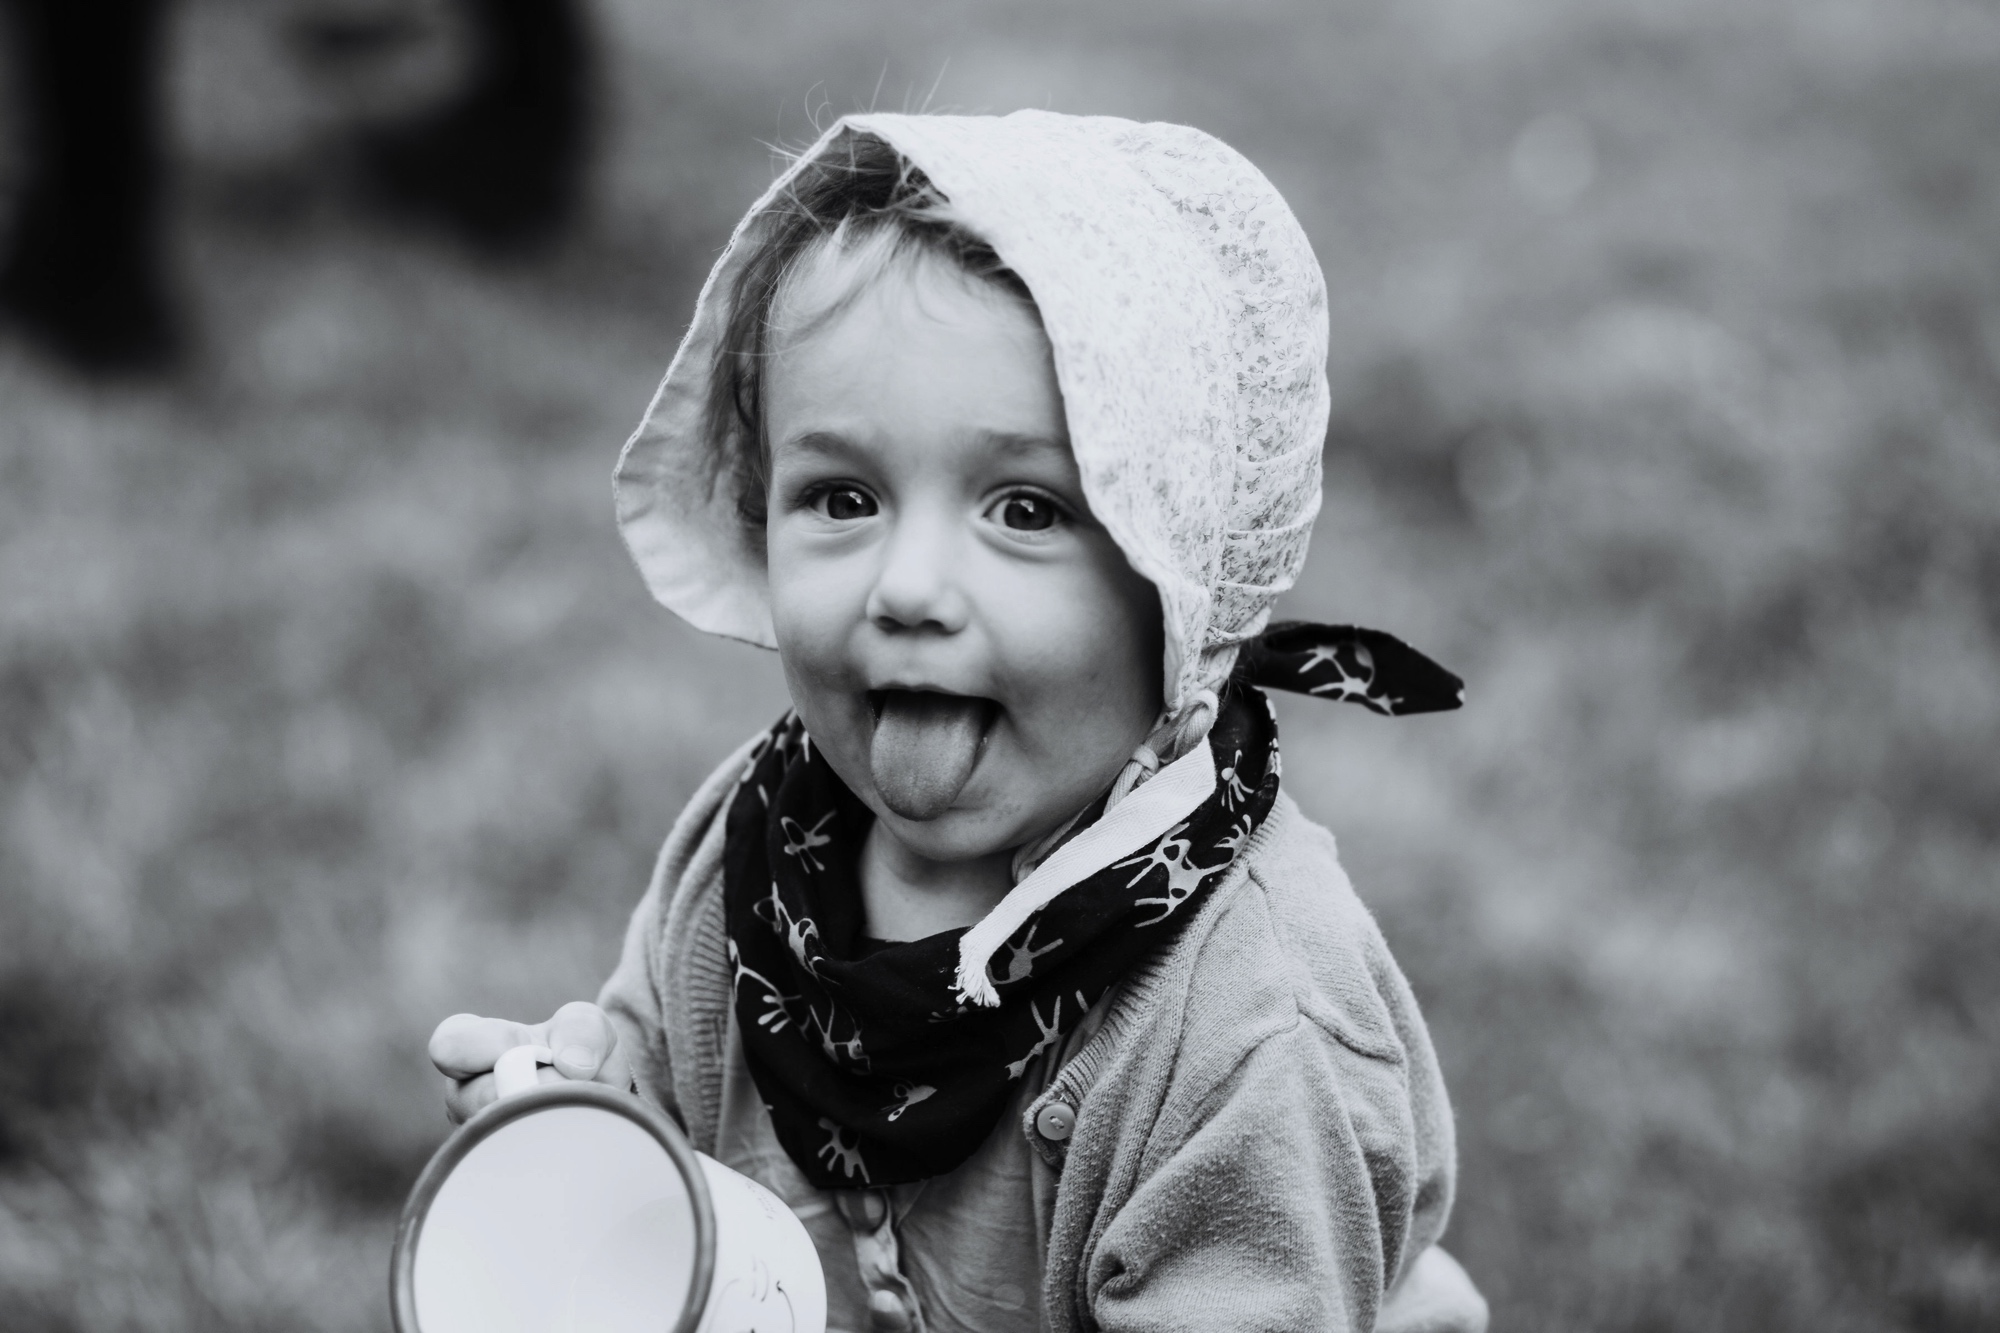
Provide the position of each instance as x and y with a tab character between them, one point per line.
465	1046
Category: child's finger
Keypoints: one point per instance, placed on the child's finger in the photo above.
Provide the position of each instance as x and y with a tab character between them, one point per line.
466	1045
464	1098
582	1039
616	1071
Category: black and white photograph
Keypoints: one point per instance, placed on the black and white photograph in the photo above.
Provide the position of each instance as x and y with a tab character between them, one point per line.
933	666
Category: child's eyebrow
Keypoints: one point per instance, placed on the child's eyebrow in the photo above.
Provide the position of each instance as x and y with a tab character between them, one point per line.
827	444
1010	442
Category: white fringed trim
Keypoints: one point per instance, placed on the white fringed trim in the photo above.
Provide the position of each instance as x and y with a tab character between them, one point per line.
1141	818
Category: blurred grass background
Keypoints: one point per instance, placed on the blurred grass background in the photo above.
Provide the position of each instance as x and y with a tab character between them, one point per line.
1667	409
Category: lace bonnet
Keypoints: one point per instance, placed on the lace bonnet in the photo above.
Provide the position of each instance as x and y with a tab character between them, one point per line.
1188	320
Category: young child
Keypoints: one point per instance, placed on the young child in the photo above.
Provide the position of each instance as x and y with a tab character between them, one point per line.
1003	959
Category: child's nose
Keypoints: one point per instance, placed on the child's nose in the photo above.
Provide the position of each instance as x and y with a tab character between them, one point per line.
917	587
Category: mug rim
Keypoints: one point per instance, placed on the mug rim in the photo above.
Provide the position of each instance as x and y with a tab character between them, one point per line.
402	1264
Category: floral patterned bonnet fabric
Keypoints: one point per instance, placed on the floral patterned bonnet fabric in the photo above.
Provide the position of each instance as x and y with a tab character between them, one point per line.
1187	317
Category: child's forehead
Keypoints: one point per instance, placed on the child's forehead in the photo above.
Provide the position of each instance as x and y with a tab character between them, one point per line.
919	376
882	278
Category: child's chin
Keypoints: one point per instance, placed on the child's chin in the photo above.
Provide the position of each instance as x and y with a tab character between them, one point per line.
965	832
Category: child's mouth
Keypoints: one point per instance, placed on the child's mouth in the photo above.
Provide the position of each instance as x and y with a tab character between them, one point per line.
925	746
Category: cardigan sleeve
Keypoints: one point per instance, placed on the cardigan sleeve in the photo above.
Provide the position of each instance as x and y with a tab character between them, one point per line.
1268	1214
631	998
648	995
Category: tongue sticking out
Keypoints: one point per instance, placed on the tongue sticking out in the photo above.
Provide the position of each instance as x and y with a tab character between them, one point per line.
924	749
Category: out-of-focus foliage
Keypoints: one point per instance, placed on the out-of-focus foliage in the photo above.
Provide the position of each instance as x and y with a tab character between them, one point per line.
1667	409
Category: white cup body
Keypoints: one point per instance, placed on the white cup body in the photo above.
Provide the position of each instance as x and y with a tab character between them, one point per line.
574	1208
767	1273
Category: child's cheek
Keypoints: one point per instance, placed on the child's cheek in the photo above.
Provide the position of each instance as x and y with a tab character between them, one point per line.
1086	645
808	616
814	613
805	576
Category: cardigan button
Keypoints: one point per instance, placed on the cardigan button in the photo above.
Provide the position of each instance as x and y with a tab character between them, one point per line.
1055	1122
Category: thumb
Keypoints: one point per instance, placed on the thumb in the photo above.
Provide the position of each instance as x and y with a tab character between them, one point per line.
582	1039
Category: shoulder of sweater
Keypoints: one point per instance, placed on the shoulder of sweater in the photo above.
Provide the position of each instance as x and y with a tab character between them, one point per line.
1293	944
697	830
679	920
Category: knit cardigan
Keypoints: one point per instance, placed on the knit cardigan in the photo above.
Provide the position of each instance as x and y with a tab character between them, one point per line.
1261	1140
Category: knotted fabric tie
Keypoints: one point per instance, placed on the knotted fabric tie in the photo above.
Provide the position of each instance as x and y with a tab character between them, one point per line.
1344	662
889	1063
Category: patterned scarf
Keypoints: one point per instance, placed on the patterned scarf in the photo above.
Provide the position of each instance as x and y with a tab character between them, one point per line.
873	1071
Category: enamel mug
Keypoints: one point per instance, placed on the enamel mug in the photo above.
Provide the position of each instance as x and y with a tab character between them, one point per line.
577	1208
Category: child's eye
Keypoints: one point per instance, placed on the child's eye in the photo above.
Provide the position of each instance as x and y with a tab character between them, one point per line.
841	503
1024	511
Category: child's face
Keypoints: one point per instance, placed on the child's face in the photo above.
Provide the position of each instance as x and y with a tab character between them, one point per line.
968	648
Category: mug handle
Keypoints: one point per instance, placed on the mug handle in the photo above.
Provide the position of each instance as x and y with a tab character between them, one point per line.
514	1071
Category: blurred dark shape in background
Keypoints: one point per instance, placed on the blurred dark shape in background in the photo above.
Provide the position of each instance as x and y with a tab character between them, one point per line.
501	163
498	163
84	270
